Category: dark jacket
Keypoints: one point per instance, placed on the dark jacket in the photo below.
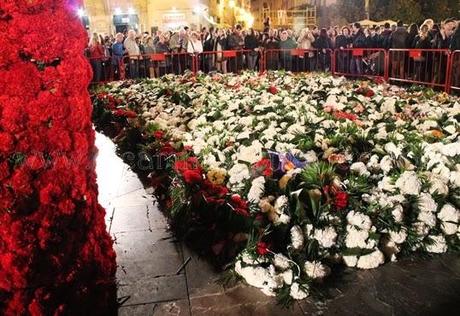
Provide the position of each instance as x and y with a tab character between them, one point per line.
234	42
422	43
455	43
384	39
322	43
271	43
342	41
399	38
373	41
359	40
441	43
251	42
209	43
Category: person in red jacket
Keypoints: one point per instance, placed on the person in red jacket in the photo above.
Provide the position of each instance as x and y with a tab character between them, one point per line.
96	56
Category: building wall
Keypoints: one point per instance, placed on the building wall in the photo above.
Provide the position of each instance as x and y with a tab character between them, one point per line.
163	14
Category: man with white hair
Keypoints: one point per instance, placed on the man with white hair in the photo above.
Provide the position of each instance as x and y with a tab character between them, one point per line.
134	54
178	44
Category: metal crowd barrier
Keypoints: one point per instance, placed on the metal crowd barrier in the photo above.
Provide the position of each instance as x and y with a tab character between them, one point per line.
428	67
233	61
360	62
297	60
454	73
436	68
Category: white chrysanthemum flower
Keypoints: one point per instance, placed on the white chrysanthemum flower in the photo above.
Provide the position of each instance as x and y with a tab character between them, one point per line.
372	260
359	220
297	293
454	179
360	169
281	203
288	276
451	150
398	237
438	246
386	184
408	183
438	184
238	173
257	189
386	164
316	270
426	203
252	153
326	237
350	261
263	278
281	261
449	216
297	237
356	238
391	148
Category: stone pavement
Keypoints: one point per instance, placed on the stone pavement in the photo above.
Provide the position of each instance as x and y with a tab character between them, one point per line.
152	280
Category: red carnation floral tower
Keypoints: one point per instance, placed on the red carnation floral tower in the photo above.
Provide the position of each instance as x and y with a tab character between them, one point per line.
56	257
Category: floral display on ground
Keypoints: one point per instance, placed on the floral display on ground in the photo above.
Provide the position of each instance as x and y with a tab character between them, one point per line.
288	176
56	257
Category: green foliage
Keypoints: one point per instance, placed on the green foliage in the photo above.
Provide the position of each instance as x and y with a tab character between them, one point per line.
318	174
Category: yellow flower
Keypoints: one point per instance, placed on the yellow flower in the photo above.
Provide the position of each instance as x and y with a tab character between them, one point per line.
437	133
284	181
216	175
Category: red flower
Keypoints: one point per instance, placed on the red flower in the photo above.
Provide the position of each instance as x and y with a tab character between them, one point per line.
272	90
6	143
158	134
167	149
344	115
213	194
262	248
340	200
125	113
193	176
239	205
264	167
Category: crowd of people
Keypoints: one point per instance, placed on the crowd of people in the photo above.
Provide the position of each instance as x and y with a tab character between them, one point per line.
130	54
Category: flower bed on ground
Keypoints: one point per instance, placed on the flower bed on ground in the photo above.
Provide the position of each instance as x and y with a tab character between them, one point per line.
289	175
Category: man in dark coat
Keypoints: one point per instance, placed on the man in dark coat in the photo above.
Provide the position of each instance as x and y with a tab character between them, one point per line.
359	41
398	58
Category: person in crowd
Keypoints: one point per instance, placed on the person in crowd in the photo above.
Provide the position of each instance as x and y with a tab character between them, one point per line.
209	43
272	56
134	53
221	45
194	44
359	41
286	44
118	51
454	46
96	56
398	58
162	47
323	45
305	41
385	37
413	33
266	24
442	40
343	42
178	45
251	43
149	49
422	41
235	41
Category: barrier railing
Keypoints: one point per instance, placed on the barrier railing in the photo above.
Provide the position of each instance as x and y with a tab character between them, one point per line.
360	62
229	61
428	67
435	68
298	60
454	73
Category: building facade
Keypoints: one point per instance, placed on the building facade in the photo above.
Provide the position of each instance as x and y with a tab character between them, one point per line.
111	16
